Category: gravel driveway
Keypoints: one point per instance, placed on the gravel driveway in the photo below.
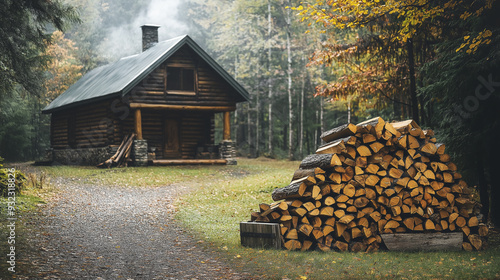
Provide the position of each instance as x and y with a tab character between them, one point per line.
110	232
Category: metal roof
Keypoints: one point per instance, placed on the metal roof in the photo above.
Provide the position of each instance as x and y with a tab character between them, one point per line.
120	77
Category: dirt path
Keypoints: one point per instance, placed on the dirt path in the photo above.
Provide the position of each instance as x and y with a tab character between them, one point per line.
107	232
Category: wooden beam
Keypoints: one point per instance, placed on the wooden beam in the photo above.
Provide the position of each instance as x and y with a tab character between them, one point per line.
138	124
227	126
187	161
450	241
183	107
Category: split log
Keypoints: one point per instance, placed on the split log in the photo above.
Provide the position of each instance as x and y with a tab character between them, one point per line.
322	161
339	132
294	190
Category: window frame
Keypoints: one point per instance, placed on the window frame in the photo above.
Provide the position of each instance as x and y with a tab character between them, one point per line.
181	91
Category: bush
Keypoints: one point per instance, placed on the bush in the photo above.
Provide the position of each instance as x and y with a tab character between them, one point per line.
20	181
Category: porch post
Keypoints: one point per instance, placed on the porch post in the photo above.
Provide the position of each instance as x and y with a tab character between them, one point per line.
227	126
138	124
227	147
140	148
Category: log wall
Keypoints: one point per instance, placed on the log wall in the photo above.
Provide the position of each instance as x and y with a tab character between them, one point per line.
95	125
87	126
211	90
196	130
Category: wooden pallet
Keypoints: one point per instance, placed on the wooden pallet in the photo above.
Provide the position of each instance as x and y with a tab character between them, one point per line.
260	235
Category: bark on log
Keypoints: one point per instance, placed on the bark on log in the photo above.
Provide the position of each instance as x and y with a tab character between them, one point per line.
322	161
290	191
339	132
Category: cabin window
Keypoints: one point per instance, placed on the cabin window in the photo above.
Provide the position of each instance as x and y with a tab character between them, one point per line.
180	81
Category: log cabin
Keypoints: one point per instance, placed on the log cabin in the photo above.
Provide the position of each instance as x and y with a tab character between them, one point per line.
167	96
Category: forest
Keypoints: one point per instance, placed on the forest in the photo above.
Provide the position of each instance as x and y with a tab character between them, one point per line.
308	66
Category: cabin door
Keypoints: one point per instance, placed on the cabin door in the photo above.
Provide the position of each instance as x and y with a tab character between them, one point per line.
171	137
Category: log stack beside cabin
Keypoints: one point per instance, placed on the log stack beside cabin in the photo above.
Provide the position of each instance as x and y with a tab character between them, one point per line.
167	96
370	179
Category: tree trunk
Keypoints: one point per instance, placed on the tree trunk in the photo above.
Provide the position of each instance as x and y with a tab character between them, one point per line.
483	184
290	108
249	130
413	86
316	134
348	110
494	187
236	123
257	117
301	127
321	117
270	108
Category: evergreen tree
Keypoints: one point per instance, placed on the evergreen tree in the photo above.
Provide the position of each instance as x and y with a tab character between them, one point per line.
23	29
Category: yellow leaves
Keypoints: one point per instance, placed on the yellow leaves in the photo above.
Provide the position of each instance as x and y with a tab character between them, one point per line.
472	45
63	69
465	15
450	4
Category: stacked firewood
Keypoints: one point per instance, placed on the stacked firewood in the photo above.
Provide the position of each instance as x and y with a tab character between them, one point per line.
369	179
120	158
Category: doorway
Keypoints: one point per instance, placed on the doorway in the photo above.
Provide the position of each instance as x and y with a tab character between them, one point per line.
171	138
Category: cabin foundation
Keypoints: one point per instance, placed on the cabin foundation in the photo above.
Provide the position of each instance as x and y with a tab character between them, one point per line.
227	151
140	152
81	156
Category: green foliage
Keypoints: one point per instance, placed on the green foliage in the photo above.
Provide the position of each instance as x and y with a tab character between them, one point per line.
23	26
24	131
15	131
19	180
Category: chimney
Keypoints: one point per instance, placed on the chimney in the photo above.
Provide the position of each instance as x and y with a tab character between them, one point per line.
149	36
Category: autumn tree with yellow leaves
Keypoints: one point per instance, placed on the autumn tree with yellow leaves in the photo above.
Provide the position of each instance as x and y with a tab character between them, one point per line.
434	61
63	69
375	48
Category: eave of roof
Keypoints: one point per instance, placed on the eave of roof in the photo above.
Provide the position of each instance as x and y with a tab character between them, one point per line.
121	76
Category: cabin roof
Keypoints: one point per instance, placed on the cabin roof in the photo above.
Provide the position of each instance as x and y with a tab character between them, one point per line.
120	77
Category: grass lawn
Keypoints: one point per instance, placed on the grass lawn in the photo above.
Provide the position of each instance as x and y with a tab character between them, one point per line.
224	196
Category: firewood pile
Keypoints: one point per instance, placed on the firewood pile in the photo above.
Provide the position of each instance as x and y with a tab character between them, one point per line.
369	179
120	158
